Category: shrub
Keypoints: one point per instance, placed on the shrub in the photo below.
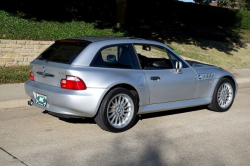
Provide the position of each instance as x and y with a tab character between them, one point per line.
13	27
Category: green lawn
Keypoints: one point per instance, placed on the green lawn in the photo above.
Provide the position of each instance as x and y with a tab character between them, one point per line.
14	74
227	55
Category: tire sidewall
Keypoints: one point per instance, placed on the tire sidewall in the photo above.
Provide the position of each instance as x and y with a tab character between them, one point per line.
105	104
215	101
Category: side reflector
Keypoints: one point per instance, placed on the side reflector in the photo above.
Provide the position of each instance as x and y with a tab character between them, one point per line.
32	76
74	83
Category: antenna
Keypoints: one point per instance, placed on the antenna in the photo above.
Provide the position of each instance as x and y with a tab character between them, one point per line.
75	19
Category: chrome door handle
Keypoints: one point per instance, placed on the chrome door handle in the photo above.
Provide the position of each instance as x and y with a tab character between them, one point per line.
155	78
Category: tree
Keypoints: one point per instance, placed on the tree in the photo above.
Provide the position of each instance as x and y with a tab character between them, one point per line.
236	4
121	12
203	1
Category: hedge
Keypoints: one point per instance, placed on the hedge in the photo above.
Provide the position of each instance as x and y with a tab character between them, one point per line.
50	21
14	27
165	13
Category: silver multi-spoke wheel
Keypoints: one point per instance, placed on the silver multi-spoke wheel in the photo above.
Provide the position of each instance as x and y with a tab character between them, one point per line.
120	111
225	95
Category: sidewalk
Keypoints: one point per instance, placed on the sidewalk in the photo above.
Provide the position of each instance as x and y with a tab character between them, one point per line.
13	95
241	75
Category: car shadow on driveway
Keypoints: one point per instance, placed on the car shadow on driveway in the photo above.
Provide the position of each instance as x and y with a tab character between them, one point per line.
172	112
78	120
71	119
138	118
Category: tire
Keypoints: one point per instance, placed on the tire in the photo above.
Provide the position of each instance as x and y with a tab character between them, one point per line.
223	96
117	111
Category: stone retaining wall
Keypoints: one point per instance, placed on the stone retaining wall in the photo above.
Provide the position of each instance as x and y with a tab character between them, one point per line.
20	52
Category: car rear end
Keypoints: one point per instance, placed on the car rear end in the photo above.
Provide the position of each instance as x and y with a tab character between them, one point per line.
53	88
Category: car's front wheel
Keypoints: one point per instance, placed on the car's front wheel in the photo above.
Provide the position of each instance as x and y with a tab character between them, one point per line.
223	96
117	111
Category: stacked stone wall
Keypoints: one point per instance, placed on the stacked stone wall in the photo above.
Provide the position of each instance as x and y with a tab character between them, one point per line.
20	52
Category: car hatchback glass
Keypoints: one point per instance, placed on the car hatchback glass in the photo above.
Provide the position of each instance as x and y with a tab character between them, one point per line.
63	51
40	57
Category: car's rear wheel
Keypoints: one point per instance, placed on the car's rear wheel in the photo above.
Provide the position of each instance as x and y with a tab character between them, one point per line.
223	96
117	111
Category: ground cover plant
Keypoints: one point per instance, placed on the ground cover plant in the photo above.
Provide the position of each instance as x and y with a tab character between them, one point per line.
14	27
14	74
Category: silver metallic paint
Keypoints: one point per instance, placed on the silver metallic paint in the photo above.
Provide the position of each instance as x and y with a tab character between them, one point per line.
171	86
80	103
174	105
100	80
106	78
56	69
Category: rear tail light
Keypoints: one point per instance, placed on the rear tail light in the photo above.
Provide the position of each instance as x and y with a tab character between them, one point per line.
32	76
74	83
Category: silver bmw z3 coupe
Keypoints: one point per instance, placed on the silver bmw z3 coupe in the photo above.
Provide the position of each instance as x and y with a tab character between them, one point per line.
114	79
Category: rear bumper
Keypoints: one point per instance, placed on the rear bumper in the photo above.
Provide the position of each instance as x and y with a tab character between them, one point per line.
83	103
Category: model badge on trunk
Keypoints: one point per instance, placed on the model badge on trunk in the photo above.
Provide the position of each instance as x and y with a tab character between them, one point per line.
45	74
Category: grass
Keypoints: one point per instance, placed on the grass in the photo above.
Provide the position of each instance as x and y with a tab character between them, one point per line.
238	57
13	27
14	74
227	53
245	35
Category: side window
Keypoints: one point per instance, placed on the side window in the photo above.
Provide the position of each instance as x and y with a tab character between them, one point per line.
118	56
174	58
153	57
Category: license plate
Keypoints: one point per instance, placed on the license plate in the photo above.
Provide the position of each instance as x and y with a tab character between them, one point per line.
41	99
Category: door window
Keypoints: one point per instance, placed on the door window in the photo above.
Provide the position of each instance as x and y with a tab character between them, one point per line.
153	57
174	59
116	56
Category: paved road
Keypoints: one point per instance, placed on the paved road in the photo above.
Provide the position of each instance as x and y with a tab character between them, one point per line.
194	136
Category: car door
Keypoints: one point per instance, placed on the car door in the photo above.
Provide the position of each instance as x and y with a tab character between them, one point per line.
165	84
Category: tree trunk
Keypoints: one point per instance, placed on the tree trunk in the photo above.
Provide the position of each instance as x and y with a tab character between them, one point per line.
121	12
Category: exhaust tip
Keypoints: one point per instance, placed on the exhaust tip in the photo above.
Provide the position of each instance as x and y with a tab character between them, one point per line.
30	103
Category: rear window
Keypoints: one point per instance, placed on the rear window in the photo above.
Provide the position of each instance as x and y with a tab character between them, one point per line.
64	51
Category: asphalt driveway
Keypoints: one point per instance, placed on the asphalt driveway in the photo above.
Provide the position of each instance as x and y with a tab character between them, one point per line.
194	136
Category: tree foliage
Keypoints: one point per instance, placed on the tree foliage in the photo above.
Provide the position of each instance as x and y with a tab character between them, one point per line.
203	1
121	12
236	4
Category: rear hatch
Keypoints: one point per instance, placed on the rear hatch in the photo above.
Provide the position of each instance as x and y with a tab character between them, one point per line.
51	65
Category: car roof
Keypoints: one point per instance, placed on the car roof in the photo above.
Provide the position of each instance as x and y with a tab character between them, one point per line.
103	38
109	40
98	42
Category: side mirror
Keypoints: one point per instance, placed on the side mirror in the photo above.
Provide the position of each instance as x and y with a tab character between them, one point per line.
178	66
111	58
